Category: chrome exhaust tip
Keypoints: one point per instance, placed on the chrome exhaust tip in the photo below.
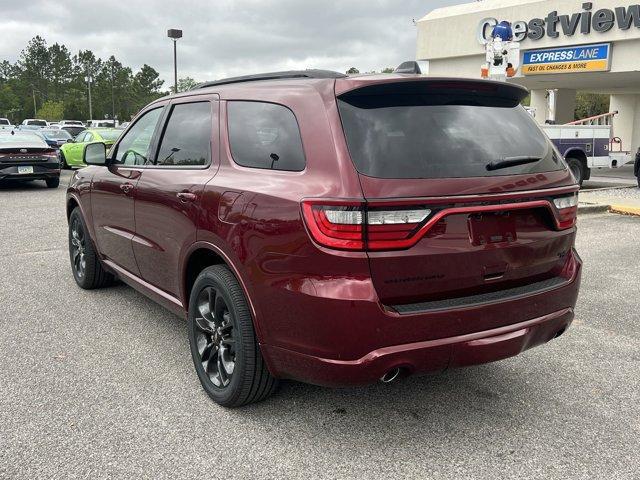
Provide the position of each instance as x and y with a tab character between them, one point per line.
391	375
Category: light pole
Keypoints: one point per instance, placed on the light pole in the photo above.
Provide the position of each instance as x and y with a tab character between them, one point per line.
113	102
35	109
175	34
89	87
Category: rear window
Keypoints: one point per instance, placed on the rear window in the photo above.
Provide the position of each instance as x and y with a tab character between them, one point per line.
37	123
57	135
264	135
429	136
4	121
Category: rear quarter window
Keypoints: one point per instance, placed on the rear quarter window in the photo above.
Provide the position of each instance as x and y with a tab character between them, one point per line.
264	135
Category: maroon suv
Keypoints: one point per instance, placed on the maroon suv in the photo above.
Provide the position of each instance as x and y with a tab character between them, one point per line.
335	230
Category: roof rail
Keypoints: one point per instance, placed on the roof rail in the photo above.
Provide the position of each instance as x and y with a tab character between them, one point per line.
274	76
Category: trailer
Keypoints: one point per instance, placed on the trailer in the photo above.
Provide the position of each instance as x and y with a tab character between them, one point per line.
589	143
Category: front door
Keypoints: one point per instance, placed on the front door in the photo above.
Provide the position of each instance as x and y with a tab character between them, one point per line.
168	192
114	190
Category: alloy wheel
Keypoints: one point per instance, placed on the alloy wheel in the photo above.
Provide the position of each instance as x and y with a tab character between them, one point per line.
78	248
214	334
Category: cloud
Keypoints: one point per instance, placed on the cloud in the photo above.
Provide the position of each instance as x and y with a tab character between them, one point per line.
225	37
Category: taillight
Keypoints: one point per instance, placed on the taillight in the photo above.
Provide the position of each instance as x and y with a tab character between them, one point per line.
352	226
567	207
50	155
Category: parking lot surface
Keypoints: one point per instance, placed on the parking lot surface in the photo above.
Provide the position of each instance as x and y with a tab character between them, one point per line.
100	384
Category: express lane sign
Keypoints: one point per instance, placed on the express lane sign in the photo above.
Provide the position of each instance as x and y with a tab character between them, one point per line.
586	58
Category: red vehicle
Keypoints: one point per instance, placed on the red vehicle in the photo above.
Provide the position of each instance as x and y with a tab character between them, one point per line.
335	230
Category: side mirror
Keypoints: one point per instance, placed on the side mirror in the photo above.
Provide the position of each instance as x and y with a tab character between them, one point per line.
95	154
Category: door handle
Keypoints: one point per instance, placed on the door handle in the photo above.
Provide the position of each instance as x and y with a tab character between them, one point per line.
126	187
186	196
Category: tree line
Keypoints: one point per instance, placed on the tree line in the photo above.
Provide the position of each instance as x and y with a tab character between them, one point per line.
52	83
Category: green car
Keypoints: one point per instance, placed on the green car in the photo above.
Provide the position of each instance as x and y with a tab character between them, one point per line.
71	152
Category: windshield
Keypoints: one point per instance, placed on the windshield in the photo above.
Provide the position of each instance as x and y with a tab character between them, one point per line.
416	136
37	123
110	135
4	121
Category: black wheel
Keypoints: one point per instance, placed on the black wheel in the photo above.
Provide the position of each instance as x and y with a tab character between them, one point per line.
224	348
88	271
577	168
53	182
63	162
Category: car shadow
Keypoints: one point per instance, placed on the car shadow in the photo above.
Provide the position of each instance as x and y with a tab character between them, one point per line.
22	185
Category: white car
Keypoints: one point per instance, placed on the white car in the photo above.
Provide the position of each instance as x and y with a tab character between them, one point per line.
5	124
34	122
71	123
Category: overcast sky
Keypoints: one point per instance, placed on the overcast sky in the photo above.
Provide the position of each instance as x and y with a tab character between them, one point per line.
224	37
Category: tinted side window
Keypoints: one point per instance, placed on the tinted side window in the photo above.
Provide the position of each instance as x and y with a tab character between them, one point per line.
187	136
134	147
264	135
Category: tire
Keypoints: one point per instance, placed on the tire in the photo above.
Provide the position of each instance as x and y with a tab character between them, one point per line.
577	168
88	271
63	162
223	343
53	182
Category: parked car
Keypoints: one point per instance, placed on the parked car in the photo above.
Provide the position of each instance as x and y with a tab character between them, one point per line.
55	138
335	230
29	128
34	122
101	124
71	152
73	130
25	156
72	123
5	124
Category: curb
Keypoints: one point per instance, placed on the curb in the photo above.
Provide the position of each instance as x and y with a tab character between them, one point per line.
593	208
625	210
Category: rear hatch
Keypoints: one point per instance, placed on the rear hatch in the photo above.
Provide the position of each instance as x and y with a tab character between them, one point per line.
465	196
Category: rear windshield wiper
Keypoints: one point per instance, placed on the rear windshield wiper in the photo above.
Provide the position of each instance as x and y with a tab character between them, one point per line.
507	162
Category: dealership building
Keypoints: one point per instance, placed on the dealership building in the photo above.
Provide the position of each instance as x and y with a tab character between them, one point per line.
565	46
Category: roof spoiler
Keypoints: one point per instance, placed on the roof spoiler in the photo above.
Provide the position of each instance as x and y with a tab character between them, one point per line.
440	90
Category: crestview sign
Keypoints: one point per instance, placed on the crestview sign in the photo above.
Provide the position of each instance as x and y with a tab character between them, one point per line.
554	25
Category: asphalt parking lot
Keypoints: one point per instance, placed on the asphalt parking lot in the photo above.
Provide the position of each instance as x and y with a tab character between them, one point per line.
100	384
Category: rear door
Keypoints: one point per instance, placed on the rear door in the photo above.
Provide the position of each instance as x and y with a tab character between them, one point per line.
431	150
113	191
170	188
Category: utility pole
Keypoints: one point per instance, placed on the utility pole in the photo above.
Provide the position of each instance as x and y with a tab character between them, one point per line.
35	110
175	34
113	103
89	89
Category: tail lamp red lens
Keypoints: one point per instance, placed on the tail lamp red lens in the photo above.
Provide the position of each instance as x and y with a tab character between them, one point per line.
354	227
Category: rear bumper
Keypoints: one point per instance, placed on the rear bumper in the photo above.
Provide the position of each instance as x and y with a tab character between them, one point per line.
355	343
41	171
421	357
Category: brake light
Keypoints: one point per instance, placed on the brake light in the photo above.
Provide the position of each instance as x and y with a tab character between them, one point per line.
351	226
567	208
50	154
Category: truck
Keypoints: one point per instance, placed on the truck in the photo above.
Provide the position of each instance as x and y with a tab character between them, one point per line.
589	143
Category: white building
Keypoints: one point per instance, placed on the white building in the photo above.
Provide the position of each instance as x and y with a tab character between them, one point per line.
451	40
